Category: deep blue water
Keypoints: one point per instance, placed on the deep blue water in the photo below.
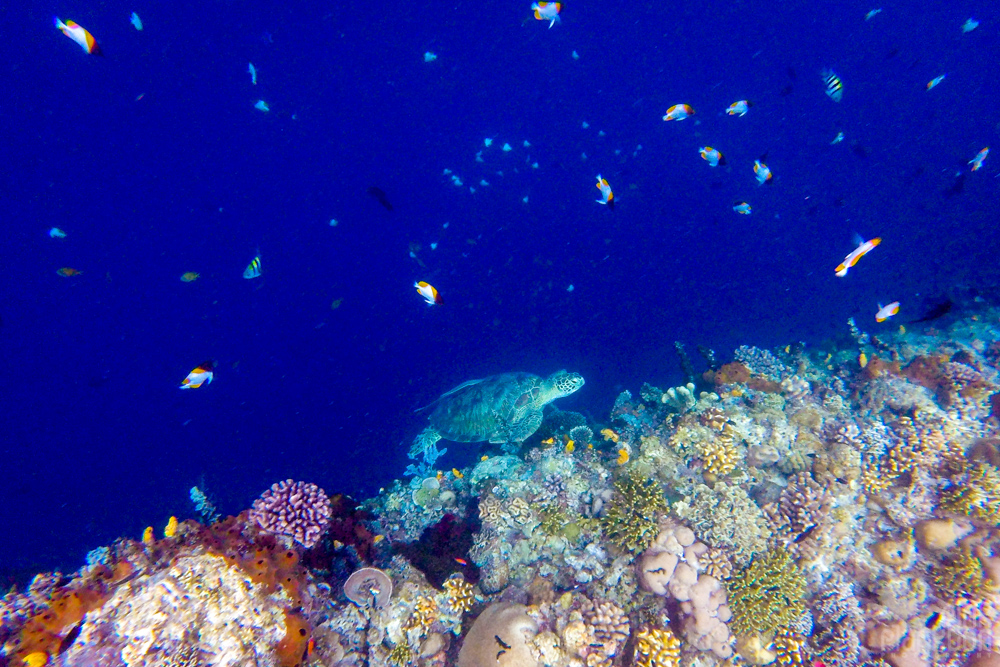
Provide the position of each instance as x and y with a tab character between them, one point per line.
95	437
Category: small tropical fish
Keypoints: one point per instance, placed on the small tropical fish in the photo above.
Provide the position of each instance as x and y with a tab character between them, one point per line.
935	81
547	11
202	374
79	35
712	156
863	249
136	21
870	15
457	473
57	233
762	171
570	446
607	196
885	312
147	536
190	277
834	87
261	105
461	561
739	108
970	25
977	162
430	294
36	659
679	112
837	139
253	269
549	441
742	208
253	73
67	272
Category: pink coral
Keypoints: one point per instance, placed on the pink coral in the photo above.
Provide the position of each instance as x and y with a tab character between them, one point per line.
296	509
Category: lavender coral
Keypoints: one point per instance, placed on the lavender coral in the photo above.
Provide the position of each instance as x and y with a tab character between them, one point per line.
295	509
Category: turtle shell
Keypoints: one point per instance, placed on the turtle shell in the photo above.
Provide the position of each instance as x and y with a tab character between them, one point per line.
487	409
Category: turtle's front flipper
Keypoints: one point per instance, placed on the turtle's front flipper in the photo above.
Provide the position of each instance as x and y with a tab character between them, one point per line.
423	442
523	429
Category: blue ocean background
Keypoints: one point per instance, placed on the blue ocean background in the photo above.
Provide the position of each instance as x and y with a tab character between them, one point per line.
96	439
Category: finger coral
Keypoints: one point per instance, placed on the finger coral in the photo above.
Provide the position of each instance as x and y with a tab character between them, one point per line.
767	594
656	647
298	510
630	519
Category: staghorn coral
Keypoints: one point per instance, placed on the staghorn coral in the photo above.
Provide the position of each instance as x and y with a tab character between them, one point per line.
960	576
425	612
790	648
766	594
720	454
459	594
974	493
630	519
656	647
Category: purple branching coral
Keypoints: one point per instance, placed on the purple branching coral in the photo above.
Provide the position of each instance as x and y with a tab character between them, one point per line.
295	509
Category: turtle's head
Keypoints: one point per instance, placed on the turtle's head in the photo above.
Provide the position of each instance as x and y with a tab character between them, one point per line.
565	383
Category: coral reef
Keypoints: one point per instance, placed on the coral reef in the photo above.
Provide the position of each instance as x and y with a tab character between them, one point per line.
835	505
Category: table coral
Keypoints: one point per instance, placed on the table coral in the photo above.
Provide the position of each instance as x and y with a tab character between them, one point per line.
767	594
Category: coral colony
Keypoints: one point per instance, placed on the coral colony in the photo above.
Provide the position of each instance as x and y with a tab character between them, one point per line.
835	506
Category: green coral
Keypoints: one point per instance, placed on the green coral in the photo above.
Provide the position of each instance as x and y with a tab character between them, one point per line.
400	655
552	521
630	520
960	577
975	493
767	594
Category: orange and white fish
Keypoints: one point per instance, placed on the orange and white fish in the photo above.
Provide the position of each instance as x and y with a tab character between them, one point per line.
935	81
885	312
739	108
79	35
547	11
863	249
202	374
607	196
679	112
977	162
742	208
712	156
430	294
762	171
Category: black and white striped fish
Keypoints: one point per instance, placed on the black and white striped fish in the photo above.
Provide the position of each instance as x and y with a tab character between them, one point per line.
834	87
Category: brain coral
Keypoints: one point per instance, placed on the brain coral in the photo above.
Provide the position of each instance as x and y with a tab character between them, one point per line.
725	517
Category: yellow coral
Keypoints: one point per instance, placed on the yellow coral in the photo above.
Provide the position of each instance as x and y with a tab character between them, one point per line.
657	648
719	456
425	612
459	594
788	646
975	494
171	528
400	655
609	435
961	577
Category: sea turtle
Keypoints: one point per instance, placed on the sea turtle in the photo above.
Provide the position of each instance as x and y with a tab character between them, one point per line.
500	408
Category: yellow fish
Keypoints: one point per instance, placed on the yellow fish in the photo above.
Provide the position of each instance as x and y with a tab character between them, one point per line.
622	456
570	446
36	659
457	473
147	536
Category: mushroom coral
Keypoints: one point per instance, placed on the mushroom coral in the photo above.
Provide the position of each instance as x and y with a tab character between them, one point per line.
500	637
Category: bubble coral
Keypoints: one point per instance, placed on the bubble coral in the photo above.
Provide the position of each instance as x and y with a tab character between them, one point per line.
655	647
767	594
295	509
630	519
